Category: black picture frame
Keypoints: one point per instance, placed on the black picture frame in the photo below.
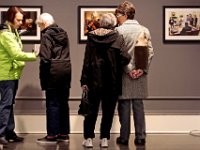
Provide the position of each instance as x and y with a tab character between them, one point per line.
31	14
181	24
88	13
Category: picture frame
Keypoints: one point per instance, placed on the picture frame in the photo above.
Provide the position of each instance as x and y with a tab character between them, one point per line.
181	24
29	31
88	14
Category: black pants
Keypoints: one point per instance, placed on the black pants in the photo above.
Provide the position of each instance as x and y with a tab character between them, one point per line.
108	103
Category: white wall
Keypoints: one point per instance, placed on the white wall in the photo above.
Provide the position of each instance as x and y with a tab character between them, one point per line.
154	124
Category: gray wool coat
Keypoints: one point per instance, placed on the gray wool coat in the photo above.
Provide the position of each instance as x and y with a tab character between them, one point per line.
134	88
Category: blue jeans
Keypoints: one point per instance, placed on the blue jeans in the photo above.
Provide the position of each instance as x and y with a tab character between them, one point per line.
8	91
57	111
124	110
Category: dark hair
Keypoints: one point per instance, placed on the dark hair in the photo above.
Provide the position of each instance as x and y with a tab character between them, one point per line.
12	12
126	8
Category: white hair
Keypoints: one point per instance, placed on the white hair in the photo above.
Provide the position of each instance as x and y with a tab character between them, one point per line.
108	20
45	18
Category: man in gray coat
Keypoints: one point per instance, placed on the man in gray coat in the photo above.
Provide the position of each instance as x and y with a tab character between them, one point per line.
134	80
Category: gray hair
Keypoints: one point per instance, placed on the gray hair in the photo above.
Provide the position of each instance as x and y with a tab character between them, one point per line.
108	20
45	18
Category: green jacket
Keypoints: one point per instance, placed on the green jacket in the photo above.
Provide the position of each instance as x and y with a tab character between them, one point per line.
11	55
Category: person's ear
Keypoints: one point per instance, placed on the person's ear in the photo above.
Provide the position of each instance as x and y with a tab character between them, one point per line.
126	16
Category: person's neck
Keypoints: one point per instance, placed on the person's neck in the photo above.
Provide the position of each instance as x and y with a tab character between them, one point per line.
122	21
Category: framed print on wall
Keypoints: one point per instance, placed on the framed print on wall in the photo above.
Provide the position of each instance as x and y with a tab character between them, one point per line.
181	24
88	19
29	31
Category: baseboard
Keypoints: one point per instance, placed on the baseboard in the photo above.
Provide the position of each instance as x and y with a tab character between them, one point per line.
154	124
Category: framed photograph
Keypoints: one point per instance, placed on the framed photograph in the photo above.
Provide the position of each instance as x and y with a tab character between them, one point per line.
88	19
29	31
181	23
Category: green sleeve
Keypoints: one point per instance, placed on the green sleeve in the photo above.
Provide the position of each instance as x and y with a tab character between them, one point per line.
14	49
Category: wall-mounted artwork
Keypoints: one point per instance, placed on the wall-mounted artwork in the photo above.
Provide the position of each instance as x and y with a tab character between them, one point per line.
88	19
181	23
29	31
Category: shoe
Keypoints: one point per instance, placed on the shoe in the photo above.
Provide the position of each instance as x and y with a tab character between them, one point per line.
3	141
88	143
104	143
47	140
140	142
121	141
63	138
14	138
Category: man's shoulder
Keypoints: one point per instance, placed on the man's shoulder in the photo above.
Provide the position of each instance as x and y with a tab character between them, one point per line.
145	29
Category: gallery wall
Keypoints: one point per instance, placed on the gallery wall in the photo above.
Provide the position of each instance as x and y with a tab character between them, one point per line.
174	73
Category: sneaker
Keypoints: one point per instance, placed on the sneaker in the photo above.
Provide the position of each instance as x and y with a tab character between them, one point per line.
104	143
14	138
63	138
88	143
3	141
47	140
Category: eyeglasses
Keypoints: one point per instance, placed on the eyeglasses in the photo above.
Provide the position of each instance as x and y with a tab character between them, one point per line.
119	15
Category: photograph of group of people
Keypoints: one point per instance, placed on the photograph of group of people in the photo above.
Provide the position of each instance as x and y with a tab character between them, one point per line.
184	23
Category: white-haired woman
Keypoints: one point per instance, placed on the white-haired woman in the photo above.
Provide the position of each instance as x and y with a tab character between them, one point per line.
102	77
55	78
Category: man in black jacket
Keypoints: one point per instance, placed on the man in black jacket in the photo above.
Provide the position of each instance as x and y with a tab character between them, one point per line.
55	78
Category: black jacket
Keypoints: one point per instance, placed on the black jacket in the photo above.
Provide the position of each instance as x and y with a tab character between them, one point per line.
55	64
103	62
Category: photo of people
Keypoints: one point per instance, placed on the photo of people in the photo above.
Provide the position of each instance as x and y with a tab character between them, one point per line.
182	23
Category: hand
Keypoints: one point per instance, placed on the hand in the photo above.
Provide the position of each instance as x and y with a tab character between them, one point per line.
36	51
134	74
140	72
85	88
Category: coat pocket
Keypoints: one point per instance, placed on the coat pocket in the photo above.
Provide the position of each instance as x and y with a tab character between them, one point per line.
60	71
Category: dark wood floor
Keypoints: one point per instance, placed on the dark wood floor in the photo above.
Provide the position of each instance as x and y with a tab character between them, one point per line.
154	142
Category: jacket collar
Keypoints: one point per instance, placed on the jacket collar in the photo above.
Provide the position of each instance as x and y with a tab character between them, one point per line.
50	26
15	32
129	21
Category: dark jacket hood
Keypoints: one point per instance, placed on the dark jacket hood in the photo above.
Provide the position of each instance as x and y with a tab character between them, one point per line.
3	26
102	35
56	33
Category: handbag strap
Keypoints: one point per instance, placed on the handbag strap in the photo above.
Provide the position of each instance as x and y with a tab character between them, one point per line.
85	94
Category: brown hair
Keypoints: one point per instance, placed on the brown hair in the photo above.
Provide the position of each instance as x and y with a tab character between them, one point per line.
12	12
126	8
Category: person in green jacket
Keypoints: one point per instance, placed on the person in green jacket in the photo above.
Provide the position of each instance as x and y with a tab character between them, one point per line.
12	61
